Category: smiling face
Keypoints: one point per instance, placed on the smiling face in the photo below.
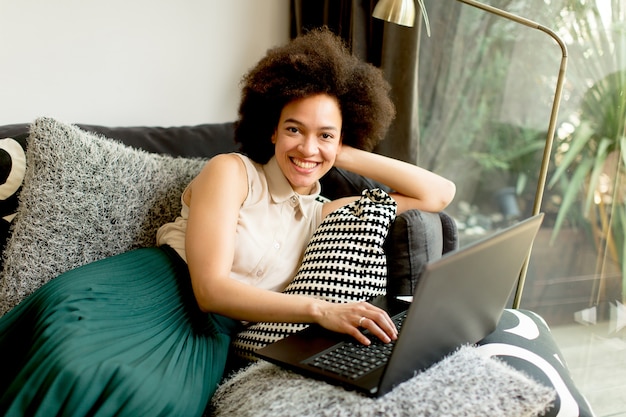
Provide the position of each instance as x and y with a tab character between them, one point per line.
307	140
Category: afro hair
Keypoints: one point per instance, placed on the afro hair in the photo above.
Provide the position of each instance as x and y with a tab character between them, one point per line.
315	63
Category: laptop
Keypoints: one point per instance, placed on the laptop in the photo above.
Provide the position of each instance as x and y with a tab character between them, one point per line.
459	299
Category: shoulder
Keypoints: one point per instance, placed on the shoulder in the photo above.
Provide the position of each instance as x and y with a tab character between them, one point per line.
228	161
224	167
222	172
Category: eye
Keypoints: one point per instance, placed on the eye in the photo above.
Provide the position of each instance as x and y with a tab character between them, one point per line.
327	136
292	129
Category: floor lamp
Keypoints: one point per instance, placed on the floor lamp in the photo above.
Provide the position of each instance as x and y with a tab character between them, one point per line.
402	12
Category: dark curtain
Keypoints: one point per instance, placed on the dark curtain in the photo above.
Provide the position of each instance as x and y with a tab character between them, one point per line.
391	47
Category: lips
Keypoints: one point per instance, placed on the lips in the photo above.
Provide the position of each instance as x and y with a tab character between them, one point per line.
300	163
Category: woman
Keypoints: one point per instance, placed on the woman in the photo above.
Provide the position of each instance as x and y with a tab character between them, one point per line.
130	335
306	107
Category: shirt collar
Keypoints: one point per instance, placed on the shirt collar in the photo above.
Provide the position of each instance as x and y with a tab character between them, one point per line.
280	189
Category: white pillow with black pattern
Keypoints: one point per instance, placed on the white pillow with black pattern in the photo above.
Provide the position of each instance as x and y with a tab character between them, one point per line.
12	171
523	340
344	262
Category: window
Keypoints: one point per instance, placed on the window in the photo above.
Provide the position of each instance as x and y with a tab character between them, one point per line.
486	91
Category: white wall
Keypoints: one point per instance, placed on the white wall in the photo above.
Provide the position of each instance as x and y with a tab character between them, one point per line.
131	62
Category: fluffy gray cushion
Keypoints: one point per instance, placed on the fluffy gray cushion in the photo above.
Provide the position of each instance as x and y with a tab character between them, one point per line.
466	383
85	198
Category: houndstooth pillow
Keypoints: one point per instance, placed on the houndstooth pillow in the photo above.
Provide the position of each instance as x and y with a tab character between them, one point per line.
343	262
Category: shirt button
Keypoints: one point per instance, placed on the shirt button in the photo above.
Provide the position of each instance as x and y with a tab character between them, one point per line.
276	245
259	272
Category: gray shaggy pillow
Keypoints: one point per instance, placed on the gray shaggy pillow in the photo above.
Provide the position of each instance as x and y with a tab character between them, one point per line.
466	383
85	198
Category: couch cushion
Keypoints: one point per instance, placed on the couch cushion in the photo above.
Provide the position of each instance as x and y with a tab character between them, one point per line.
415	237
201	141
338	183
523	340
85	198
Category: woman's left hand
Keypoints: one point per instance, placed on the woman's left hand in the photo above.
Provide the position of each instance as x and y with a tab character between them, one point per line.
350	318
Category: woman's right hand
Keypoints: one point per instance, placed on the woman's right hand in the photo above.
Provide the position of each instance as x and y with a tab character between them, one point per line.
350	318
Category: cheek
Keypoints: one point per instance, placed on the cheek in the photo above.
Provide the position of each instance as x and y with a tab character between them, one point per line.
330	151
284	141
280	144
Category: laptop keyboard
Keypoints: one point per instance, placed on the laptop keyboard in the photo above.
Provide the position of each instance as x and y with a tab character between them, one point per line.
353	360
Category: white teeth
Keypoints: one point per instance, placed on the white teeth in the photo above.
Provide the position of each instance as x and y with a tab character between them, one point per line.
304	164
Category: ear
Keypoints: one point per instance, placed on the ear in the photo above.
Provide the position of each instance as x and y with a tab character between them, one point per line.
274	137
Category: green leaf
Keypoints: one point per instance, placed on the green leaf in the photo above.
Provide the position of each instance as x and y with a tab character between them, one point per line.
598	165
571	192
580	139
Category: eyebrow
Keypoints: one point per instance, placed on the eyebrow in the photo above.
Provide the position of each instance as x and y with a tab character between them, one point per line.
290	120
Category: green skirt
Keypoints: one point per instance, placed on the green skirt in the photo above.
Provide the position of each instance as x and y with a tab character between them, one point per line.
119	337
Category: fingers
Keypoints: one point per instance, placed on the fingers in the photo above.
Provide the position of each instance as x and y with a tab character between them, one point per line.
378	322
360	337
352	318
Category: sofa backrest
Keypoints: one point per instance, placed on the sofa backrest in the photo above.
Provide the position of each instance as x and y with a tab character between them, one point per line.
415	237
201	141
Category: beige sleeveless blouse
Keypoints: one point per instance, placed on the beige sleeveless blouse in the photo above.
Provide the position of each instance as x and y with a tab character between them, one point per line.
275	224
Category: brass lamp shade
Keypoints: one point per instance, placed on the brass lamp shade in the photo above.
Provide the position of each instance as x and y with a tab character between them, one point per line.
401	12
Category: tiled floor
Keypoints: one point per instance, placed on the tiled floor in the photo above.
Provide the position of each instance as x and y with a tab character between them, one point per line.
596	356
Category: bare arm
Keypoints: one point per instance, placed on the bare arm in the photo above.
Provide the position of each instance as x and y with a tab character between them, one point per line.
216	196
415	187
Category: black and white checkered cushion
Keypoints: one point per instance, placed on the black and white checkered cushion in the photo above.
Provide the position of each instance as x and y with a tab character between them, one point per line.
343	262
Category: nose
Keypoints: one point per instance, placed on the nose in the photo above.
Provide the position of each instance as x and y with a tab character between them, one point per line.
308	146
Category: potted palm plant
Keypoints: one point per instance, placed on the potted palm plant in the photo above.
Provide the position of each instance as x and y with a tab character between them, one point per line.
593	160
510	153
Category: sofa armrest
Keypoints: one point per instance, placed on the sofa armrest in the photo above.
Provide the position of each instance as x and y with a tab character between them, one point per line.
415	239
